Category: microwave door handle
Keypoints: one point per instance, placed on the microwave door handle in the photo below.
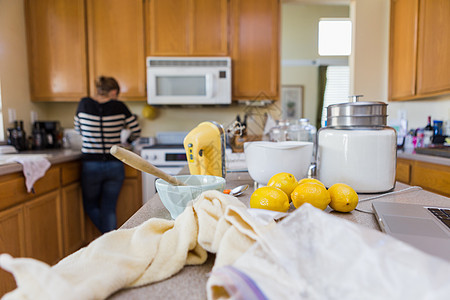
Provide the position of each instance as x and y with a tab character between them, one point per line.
209	85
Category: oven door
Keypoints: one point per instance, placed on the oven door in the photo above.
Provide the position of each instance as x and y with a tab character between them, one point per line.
148	181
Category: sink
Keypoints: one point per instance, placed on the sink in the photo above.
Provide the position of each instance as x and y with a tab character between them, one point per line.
442	151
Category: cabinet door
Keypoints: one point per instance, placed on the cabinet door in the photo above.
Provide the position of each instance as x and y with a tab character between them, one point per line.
432	177
12	241
116	45
403	45
56	49
187	27
167	27
433	61
43	228
209	27
130	200
403	171
255	48
73	218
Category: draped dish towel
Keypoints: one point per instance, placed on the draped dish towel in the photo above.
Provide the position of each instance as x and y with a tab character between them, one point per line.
314	255
34	167
150	252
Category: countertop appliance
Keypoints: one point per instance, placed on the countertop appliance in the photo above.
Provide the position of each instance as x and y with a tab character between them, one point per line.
188	80
205	146
168	154
47	134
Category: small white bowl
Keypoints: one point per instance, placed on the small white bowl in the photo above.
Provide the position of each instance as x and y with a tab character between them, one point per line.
265	159
176	198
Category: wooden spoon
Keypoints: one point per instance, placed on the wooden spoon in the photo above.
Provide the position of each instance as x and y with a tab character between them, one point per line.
137	162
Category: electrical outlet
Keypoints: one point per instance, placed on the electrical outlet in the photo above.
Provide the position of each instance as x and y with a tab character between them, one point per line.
11	115
33	117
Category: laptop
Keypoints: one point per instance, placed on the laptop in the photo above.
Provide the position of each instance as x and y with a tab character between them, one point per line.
424	227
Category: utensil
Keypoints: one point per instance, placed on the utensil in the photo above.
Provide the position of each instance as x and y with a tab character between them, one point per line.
137	162
237	191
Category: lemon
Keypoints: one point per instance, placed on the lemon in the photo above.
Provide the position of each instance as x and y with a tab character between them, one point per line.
305	180
343	197
312	193
270	198
284	181
149	112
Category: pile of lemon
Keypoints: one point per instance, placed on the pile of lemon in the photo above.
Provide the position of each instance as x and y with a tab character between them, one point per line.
283	188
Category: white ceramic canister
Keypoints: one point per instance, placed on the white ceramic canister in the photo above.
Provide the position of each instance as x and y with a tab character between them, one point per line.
357	148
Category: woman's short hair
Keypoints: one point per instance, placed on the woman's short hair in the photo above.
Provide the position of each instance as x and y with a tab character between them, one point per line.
106	84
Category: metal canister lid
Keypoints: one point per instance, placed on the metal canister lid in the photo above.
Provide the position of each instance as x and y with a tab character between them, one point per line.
358	113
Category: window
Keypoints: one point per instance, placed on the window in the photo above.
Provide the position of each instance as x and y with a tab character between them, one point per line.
335	37
336	89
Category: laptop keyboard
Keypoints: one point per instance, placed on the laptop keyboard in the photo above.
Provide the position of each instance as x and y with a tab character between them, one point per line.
443	214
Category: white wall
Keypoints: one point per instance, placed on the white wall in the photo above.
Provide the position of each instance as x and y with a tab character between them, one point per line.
15	89
299	40
369	65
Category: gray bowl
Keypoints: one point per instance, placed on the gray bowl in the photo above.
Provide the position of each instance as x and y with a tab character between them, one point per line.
176	198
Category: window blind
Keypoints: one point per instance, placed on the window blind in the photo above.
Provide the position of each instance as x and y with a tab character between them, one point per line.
337	88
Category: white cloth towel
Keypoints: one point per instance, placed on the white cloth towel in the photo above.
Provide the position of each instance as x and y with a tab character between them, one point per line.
314	255
150	252
34	167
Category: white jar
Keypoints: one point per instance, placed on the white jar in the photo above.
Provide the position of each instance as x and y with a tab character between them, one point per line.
357	148
365	159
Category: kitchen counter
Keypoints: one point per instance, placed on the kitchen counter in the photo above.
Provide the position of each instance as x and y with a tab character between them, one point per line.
425	158
55	156
190	282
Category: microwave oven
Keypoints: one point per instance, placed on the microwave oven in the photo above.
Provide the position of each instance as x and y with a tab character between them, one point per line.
188	80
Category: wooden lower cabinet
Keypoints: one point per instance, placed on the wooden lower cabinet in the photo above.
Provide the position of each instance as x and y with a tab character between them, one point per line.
403	172
42	228
431	177
127	204
51	224
72	218
12	241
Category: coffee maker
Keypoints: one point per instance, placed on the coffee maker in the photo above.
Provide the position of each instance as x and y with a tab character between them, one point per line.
47	135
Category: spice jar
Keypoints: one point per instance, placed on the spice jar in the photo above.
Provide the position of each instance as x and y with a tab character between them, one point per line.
357	148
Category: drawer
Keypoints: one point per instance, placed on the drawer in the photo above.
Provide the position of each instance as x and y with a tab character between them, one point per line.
70	172
14	191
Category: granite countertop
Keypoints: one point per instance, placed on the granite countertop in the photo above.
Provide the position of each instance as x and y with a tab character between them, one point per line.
55	156
190	282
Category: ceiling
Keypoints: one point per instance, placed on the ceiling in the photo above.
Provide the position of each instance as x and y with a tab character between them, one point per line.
319	2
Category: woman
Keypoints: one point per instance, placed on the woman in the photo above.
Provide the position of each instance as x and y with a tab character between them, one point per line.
100	120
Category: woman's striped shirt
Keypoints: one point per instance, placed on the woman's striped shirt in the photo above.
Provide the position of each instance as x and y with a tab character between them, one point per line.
100	125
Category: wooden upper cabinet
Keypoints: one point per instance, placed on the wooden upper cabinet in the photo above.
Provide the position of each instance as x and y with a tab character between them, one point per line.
403	45
255	48
56	49
419	62
187	27
433	61
116	45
